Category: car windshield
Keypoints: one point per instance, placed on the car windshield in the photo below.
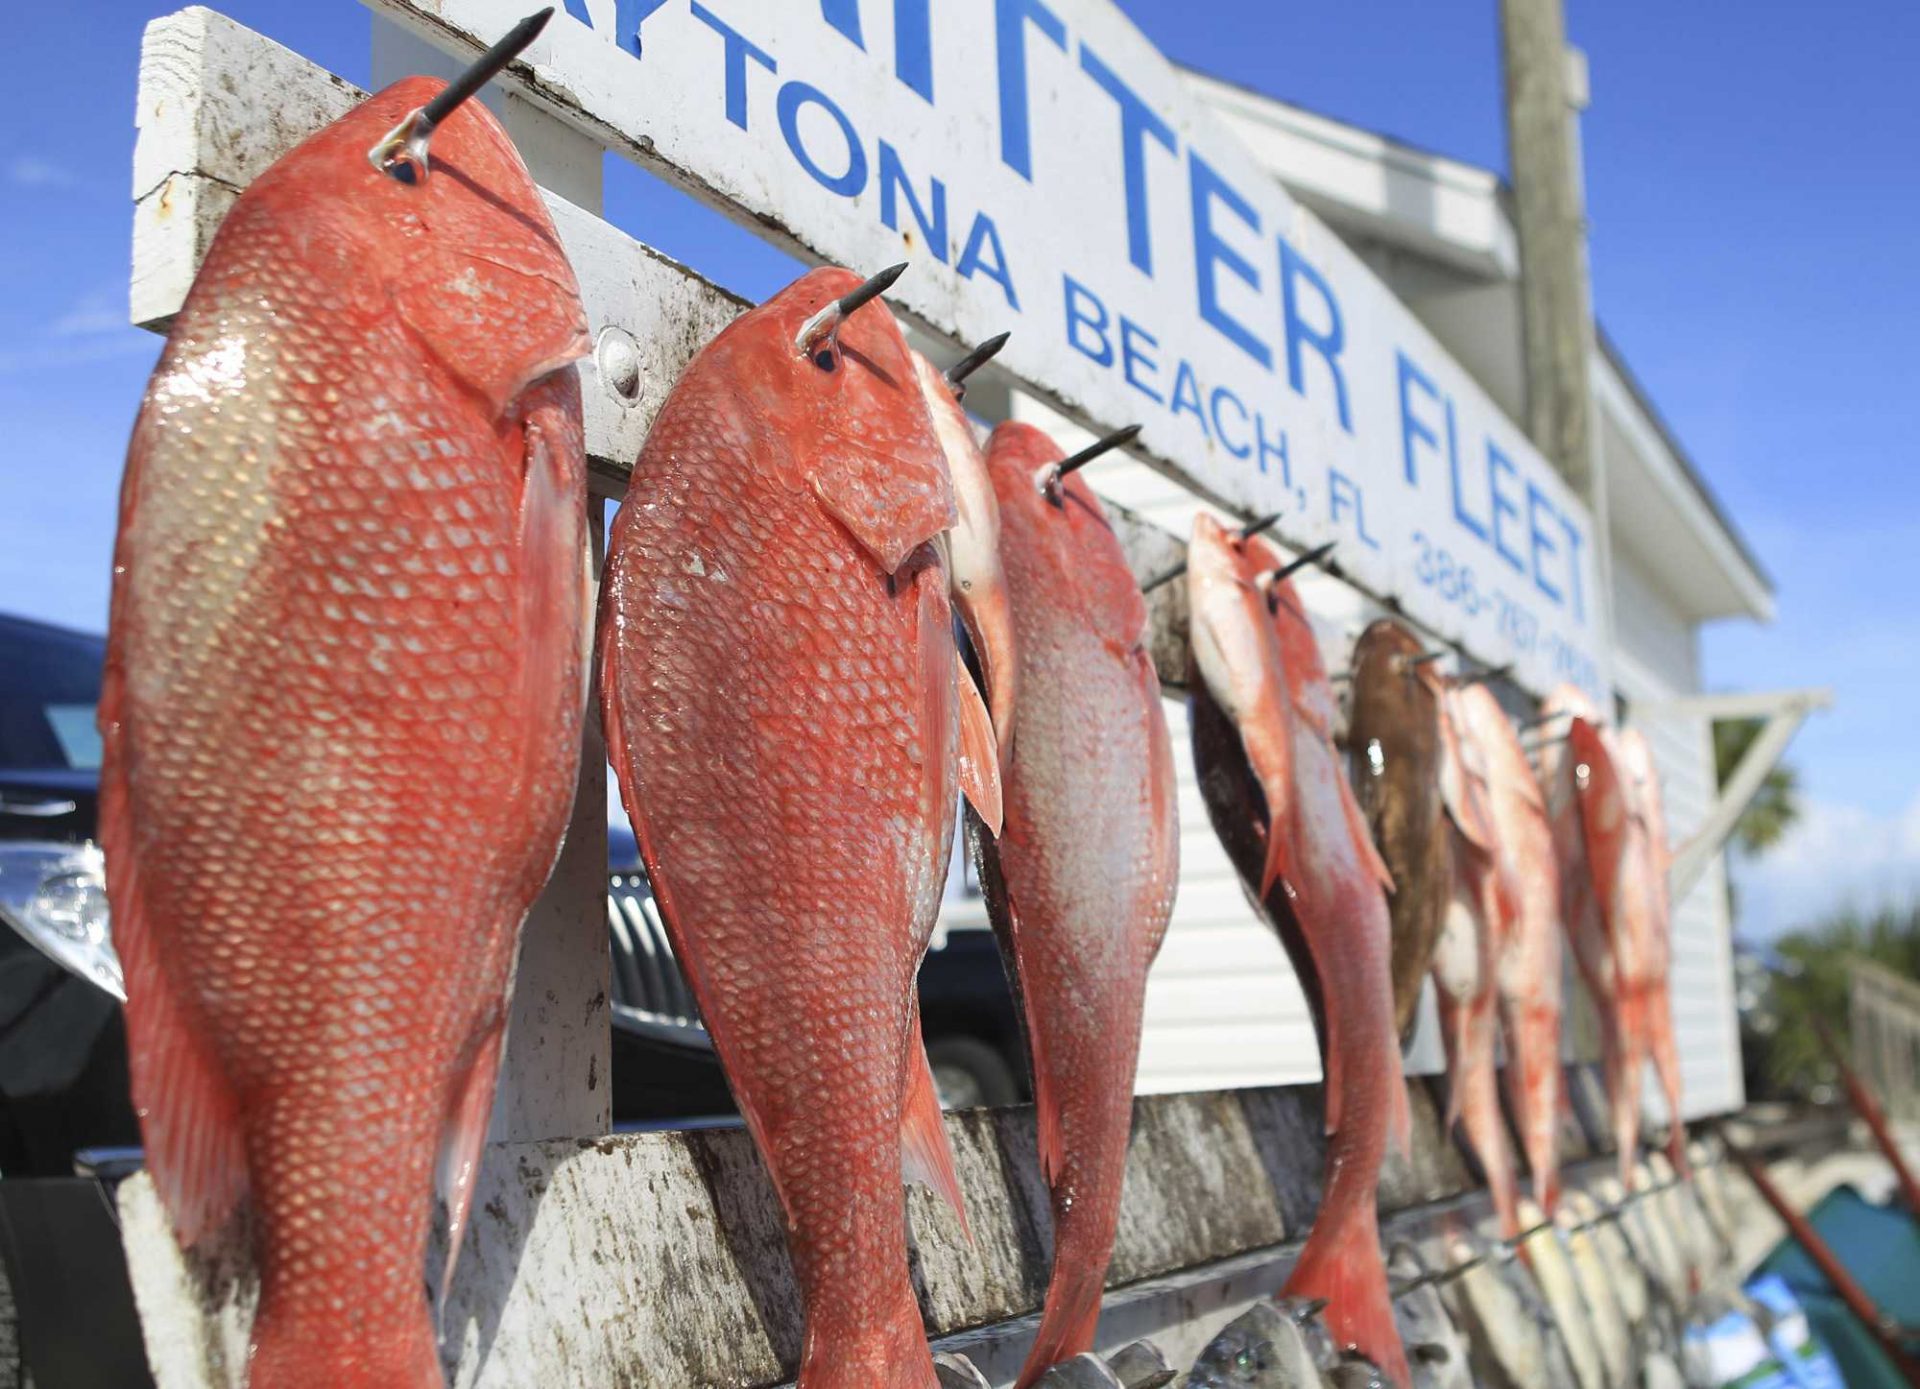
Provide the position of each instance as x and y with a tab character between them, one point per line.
49	684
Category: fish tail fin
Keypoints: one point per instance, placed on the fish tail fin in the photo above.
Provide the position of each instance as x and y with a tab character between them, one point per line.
299	1352
189	1115
1067	1322
1542	1095
1342	1264
1666	1063
926	1155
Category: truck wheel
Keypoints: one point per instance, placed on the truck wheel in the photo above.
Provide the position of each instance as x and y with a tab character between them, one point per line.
969	1074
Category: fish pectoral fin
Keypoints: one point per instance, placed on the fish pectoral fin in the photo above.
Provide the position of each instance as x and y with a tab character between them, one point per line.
890	503
1280	864
464	1134
926	1155
189	1114
1363	837
979	752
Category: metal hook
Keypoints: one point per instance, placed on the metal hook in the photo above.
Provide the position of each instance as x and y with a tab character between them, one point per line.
402	151
826	323
1050	477
957	374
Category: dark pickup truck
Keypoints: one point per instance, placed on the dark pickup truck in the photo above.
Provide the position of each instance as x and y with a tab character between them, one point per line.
67	1128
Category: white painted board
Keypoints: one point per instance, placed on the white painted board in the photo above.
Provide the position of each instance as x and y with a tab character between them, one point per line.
1046	170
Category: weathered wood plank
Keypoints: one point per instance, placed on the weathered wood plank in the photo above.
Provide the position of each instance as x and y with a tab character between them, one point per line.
659	1258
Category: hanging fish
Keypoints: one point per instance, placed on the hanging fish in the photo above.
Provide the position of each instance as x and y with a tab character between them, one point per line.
788	720
1080	882
1394	738
348	648
979	581
1635	755
1262	713
1527	965
1466	964
1617	856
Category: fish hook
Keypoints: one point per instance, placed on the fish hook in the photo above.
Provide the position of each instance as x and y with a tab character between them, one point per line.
826	323
1247	532
402	151
1049	477
957	374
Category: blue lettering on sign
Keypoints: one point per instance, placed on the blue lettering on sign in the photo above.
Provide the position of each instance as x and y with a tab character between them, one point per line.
628	16
1412	430
1137	122
794	97
1541	542
1221	393
1079	300
1274	448
1503	504
738	50
985	237
1131	357
912	40
1460	512
1327	342
1186	395
1574	543
1010	20
893	182
1343	495
1209	250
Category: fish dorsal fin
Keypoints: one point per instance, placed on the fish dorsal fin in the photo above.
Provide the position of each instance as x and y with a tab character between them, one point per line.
926	1153
979	752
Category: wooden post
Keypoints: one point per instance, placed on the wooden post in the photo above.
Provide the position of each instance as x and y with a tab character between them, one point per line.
1556	314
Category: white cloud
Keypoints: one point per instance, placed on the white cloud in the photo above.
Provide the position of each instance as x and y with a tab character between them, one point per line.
1835	856
99	312
31	171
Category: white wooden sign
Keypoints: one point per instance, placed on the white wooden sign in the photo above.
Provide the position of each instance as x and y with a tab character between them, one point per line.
1047	170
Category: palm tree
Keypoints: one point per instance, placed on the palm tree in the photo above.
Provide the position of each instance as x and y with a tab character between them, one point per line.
1775	807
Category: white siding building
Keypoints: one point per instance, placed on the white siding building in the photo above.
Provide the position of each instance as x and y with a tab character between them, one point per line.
1223	1006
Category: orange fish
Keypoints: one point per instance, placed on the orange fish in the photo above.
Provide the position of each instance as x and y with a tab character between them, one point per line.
1466	965
1635	756
348	650
1081	881
977	577
1279	798
1619	855
1527	968
787	716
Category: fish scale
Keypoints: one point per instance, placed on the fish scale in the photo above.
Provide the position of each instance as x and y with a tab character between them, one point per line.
779	682
1281	802
1080	882
346	649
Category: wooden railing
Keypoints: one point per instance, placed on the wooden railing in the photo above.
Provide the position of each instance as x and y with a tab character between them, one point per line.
1884	1009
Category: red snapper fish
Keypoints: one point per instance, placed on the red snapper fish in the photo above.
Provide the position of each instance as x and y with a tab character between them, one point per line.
1279	798
786	714
1473	941
1635	756
1080	883
978	579
1619	853
1527	969
347	649
1588	930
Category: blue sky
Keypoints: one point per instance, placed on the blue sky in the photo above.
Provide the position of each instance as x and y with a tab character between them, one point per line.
1752	193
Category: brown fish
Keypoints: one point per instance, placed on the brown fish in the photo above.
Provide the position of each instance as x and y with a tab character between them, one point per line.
1395	743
